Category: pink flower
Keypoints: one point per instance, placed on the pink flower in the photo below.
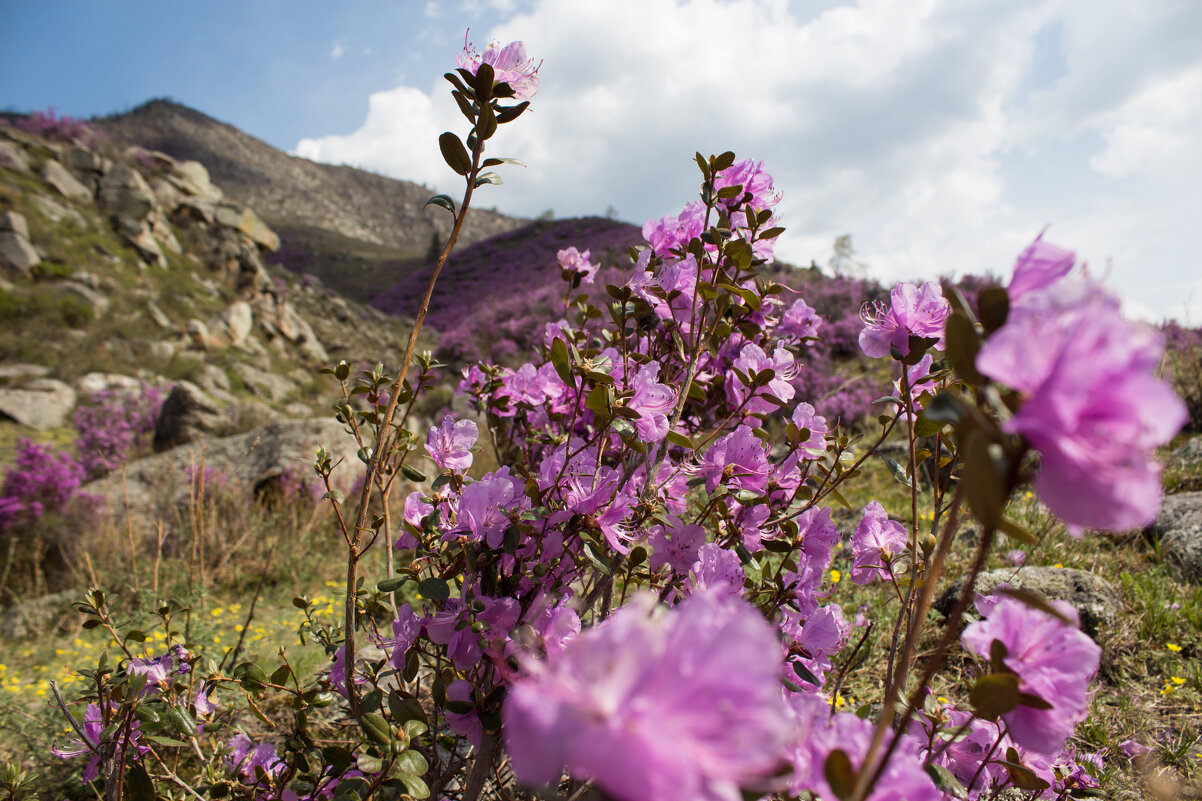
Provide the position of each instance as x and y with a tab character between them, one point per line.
752	360
573	261
510	65
674	231
717	571
1092	405
1053	660
914	312
739	460
806	419
876	538
678	707
799	321
450	445
1039	266
653	401
754	180
817	734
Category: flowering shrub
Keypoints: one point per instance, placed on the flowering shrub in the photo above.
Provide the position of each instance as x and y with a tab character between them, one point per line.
48	124
38	482
639	596
113	425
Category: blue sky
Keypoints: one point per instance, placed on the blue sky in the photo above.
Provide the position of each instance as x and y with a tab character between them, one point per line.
942	134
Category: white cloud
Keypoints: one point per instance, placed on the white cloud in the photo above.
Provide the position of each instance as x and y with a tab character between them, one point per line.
336	51
914	126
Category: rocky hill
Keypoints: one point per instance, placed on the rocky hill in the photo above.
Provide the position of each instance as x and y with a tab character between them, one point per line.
123	268
356	230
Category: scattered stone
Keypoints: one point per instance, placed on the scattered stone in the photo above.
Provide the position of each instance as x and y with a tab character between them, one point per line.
188	414
96	382
16	252
127	196
298	409
62	181
213	377
192	178
232	325
198	332
1179	529
12	221
1094	598
55	211
95	300
264	383
36	616
13	158
245	220
8	371
42	403
159	317
156	485
162	350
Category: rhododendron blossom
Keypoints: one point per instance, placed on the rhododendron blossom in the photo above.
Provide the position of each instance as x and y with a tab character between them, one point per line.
1053	660
450	445
573	261
1092	404
919	312
679	707
877	538
510	65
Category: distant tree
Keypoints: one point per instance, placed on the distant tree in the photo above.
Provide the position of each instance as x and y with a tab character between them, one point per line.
611	213
435	249
547	215
844	263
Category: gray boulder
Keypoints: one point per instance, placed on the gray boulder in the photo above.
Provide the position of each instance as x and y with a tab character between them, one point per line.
188	414
243	219
62	181
17	255
42	403
13	158
1094	598
263	382
232	325
12	221
94	299
36	616
1179	529
158	485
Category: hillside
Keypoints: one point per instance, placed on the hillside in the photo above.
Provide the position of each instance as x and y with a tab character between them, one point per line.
347	226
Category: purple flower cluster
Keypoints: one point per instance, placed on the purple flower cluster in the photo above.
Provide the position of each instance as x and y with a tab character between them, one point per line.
113	425
39	481
677	707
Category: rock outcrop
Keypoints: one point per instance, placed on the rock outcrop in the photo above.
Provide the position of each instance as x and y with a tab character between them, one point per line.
1094	598
1178	527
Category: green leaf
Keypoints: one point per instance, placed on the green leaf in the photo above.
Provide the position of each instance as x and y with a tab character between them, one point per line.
417	787
676	438
489	178
804	673
994	695
993	307
495	160
963	344
944	408
412	763
456	82
454	153
369	764
486	125
839	774
444	201
405	710
561	360
138	786
465	106
723	161
510	114
983	485
1015	531
413	474
946	780
482	82
599	401
898	472
376	728
392	584
435	589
